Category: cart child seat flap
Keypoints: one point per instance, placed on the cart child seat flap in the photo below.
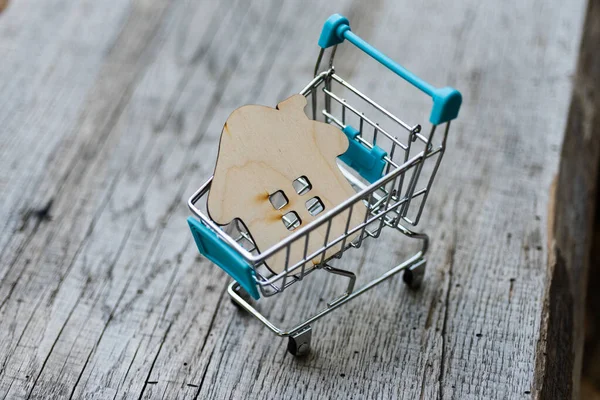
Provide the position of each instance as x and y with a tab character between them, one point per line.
219	252
276	171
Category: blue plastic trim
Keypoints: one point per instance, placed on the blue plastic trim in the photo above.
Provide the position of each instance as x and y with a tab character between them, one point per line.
446	101
446	104
369	163
329	35
224	256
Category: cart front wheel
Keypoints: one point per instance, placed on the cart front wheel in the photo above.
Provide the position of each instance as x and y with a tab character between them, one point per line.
299	342
243	294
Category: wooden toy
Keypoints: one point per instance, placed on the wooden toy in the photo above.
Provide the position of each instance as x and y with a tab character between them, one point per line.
277	171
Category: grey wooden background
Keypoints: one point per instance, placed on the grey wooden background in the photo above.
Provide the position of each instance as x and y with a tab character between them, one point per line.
110	116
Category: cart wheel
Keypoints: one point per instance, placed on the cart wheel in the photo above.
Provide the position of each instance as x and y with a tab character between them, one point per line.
413	276
243	294
235	304
299	342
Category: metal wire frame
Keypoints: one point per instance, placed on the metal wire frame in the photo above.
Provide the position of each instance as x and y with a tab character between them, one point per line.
414	262
387	200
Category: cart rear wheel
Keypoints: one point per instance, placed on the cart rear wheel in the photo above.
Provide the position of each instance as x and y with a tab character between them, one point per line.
299	342
413	276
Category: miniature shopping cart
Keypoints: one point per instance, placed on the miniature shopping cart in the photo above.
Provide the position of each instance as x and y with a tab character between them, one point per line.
390	163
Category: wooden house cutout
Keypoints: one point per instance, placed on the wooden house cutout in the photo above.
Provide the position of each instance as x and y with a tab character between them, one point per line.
277	172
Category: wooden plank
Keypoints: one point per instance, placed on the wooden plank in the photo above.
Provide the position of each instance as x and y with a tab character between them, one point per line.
108	299
53	246
47	73
571	231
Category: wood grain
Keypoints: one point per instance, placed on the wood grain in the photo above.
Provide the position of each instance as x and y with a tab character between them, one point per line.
262	152
572	231
111	117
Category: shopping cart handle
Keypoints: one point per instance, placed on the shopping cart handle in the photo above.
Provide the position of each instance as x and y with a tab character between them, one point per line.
219	252
446	100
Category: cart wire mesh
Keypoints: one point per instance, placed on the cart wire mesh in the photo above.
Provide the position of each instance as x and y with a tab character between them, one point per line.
396	200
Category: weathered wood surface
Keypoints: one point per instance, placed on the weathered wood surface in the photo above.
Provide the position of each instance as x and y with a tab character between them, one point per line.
572	230
110	117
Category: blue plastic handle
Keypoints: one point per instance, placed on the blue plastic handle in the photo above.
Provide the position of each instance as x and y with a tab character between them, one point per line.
446	100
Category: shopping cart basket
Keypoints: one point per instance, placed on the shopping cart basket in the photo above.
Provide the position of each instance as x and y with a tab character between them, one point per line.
390	163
